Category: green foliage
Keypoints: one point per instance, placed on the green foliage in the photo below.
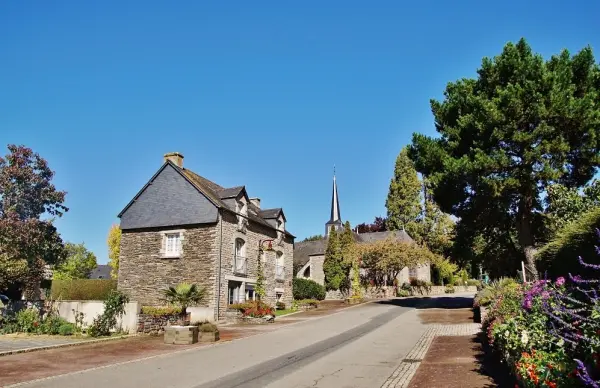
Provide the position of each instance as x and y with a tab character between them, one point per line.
449	289
66	329
523	124
404	197
161	311
446	269
316	237
114	308
78	265
259	287
82	289
565	205
575	239
114	249
473	282
184	295
52	324
333	265
307	289
402	293
280	306
29	202
208	328
307	302
28	320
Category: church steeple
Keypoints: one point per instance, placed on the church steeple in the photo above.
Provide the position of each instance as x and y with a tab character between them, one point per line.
335	220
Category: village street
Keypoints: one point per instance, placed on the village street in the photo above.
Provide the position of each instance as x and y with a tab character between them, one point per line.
356	347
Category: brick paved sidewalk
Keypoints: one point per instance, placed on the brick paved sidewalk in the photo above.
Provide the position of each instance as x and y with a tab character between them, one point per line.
403	374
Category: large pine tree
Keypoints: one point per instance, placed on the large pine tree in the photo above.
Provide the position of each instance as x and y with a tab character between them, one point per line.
404	198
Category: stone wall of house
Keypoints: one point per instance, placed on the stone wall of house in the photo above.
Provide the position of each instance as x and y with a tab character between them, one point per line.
252	234
144	273
316	269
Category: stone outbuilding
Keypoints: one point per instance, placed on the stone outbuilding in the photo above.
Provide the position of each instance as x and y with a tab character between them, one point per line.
182	227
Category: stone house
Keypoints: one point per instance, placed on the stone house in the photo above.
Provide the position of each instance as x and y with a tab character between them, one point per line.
182	227
310	255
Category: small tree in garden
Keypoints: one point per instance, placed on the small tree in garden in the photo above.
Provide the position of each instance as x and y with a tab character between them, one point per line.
114	308
185	295
259	288
78	265
114	249
333	265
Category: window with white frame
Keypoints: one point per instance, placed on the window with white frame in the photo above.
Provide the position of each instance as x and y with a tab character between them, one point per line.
279	268
172	244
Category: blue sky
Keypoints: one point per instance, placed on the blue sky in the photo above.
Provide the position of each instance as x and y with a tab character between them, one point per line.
267	95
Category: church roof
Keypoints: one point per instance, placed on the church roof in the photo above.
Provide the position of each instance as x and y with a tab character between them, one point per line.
304	249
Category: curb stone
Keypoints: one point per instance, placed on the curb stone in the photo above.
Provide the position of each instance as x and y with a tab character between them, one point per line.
77	343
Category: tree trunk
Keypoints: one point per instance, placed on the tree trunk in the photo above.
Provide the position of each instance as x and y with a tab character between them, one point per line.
526	239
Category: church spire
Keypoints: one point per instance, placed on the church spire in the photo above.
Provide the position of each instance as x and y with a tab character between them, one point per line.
335	220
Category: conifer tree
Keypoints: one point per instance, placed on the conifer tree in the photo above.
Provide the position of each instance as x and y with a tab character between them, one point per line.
333	264
404	198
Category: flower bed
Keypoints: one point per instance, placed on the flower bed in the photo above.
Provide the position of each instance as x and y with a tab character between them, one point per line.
548	333
255	312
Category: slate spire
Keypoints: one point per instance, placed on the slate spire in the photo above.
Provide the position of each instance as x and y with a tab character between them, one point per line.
335	220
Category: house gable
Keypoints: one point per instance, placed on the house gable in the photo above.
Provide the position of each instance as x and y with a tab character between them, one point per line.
169	199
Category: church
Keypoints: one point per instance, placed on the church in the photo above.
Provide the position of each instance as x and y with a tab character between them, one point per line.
309	255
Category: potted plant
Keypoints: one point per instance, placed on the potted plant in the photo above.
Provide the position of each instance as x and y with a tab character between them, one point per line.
208	332
184	295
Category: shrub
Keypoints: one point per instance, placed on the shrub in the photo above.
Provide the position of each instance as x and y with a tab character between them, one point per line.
28	320
307	302
473	282
208	328
114	307
66	329
280	306
449	289
161	311
52	324
82	289
402	293
307	289
255	309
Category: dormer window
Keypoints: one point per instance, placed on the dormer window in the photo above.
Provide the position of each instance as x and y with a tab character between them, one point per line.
280	227
241	207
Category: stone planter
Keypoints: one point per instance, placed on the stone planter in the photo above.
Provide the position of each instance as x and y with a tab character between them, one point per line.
209	336
181	335
354	300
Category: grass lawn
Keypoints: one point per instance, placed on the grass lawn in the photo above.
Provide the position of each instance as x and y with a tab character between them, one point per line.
284	312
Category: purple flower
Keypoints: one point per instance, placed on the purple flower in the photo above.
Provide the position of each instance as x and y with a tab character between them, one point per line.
545	295
560	281
527	304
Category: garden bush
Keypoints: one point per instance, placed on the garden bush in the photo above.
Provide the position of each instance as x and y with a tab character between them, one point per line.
208	328
280	306
114	307
402	293
253	309
66	329
161	311
449	289
307	302
473	282
307	289
548	332
82	289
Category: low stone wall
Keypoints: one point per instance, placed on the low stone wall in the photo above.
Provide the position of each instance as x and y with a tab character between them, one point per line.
335	295
439	290
304	307
380	292
155	325
236	317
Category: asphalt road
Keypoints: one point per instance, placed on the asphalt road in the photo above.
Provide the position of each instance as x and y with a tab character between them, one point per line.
357	347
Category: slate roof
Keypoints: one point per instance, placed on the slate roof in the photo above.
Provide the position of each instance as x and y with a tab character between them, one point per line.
304	249
216	194
101	272
270	213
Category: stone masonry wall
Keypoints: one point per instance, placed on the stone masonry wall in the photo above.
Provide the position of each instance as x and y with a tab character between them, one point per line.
251	236
144	274
154	325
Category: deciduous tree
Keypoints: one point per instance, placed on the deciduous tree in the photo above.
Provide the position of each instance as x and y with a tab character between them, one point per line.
333	265
27	194
114	249
522	124
78	264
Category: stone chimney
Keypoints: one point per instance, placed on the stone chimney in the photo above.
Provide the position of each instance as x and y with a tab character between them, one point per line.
255	201
175	157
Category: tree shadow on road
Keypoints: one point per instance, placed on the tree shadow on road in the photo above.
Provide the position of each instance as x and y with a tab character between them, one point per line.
439	302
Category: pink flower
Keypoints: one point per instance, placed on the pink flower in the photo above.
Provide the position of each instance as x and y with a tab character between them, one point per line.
528	304
560	281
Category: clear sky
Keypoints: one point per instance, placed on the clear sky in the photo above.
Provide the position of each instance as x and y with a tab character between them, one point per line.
262	94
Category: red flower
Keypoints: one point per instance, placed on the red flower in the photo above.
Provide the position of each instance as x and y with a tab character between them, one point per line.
550	384
36	324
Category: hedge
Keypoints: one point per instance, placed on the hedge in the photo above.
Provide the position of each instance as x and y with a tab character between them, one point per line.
578	238
82	289
307	289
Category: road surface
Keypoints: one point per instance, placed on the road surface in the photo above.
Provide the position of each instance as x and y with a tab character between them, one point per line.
356	347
